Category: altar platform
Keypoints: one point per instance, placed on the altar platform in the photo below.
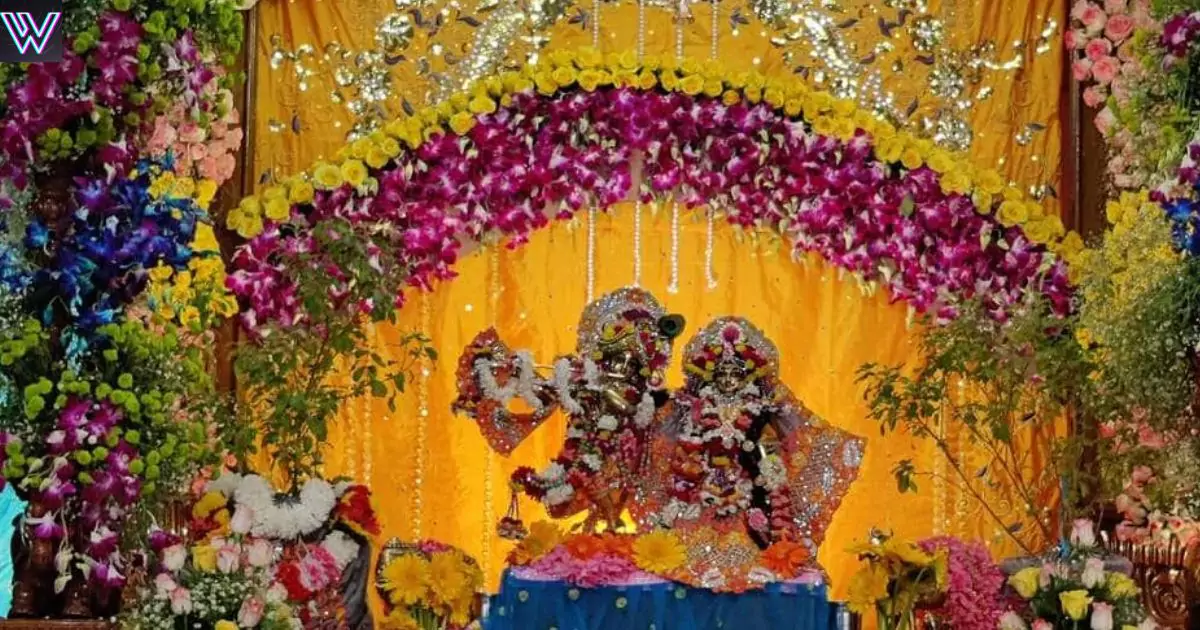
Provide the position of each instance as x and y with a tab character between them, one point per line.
531	604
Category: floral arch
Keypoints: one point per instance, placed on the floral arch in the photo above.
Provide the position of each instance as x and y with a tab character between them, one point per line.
575	132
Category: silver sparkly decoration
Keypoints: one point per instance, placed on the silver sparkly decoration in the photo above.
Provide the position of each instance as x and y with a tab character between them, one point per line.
926	33
394	32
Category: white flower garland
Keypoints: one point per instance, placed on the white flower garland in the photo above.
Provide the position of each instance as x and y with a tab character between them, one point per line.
522	386
279	520
343	549
562	386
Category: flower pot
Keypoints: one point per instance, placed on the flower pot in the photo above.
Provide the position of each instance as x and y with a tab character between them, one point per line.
34	571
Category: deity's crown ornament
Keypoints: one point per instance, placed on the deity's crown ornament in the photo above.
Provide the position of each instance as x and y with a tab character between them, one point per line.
730	339
629	318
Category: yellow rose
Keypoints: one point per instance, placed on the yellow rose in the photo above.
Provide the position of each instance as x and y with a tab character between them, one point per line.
713	87
990	181
888	149
588	58
563	76
793	106
1012	193
225	625
376	158
397	128
1012	212
844	128
823	125
354	172
277	209
461	123
482	105
844	107
359	147
941	161
731	97
327	176
432	130
911	158
1038	231
647	80
774	96
250	227
545	83
753	94
589	80
692	84
1026	581
956	181
982	200
627	60
204	557
300	191
1075	604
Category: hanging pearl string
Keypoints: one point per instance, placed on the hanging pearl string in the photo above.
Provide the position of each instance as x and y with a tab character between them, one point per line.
637	243
709	275
680	12
715	24
596	24
422	421
641	32
368	418
591	254
349	451
489	516
673	287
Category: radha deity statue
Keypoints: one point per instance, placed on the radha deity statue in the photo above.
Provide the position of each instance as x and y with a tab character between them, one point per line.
612	391
741	463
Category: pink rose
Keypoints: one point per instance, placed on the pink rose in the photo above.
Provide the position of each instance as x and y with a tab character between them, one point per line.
260	554
174	557
1102	616
251	612
1104	122
163	136
1105	69
1042	624
1074	39
1078	8
1112	7
1081	69
228	558
1093	96
191	132
1093	18
1119	28
181	601
1097	48
164	586
1083	533
197	152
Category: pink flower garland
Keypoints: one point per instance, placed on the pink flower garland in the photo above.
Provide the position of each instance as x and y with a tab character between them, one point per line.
537	158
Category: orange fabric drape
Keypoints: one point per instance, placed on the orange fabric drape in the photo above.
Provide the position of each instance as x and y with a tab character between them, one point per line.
824	326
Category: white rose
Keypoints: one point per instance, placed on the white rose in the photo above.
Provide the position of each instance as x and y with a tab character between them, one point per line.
242	521
260	554
1012	621
1093	573
1083	533
607	423
174	558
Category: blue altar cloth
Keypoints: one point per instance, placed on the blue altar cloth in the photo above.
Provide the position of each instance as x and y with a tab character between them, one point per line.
540	605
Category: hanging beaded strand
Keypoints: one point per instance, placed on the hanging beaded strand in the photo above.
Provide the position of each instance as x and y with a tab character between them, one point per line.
710	276
591	254
673	286
715	25
368	417
489	517
680	15
422	428
637	243
596	24
641	30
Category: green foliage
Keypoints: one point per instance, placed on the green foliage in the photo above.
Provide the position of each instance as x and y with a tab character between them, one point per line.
288	376
998	383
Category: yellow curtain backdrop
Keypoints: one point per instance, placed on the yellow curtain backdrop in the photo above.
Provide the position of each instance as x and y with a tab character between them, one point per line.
431	472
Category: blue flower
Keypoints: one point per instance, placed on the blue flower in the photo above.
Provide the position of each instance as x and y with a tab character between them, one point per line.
37	235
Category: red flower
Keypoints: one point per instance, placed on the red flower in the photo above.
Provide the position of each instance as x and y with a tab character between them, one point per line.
355	509
288	575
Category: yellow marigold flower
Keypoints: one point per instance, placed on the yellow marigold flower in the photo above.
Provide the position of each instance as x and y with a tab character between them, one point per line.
543	537
731	97
692	84
1121	585
447	577
406	580
793	107
883	131
990	181
482	105
911	158
204	557
588	58
564	76
250	206
1055	225
165	312
773	96
906	552
160	273
277	209
354	172
844	107
377	158
940	161
1026	581
1012	212
327	176
300	191
461	123
1075	603
659	552
956	181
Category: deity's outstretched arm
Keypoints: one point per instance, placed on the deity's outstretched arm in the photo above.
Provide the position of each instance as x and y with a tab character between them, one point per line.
821	461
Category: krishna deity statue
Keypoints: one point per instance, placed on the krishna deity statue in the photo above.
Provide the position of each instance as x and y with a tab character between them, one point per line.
741	464
612	392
